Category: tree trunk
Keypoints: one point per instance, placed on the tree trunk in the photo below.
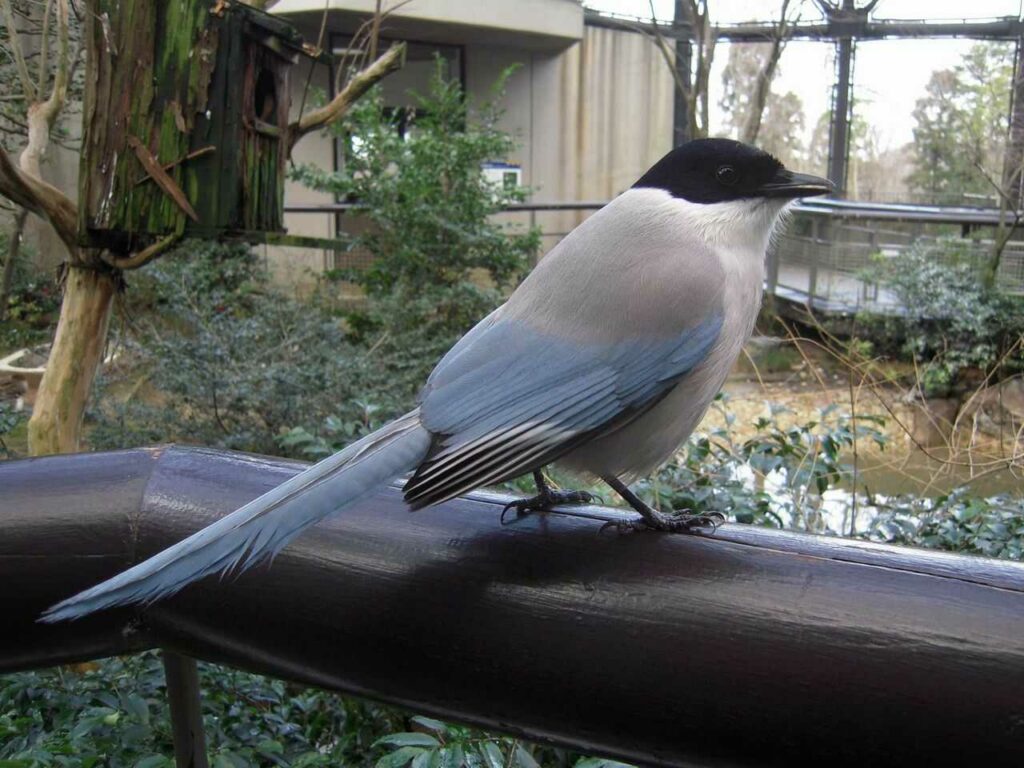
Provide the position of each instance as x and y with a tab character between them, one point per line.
13	252
76	355
762	88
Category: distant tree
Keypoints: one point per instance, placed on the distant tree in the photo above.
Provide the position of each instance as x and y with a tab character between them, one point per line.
817	149
961	125
755	70
775	123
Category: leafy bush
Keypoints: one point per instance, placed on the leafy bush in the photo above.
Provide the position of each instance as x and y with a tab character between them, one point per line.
956	522
217	356
776	477
230	362
440	262
10	419
949	321
114	714
32	305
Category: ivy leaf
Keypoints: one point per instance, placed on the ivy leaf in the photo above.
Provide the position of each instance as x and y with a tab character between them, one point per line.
409	739
399	757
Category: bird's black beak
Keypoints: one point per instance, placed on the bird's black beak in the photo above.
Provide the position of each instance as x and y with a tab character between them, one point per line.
786	183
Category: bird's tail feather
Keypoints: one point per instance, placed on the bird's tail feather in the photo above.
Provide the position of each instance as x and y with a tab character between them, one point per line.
262	527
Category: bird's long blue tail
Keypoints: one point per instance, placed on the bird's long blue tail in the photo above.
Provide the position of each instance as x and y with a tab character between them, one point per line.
262	527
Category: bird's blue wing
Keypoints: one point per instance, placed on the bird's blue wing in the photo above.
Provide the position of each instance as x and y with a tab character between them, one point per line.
509	398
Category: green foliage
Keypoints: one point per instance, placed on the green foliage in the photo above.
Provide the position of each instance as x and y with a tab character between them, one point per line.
32	304
956	522
440	263
10	420
961	126
115	715
718	472
435	744
949	321
232	363
216	356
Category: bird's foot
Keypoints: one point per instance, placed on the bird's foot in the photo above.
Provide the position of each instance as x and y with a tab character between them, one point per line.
546	501
678	522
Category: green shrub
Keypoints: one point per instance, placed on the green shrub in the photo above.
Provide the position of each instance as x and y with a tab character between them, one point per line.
948	321
10	420
115	715
440	262
216	356
955	522
31	306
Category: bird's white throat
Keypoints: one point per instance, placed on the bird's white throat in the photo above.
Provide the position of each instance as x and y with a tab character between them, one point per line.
744	226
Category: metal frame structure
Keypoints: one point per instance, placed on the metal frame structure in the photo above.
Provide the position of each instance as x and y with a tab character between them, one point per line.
845	23
748	647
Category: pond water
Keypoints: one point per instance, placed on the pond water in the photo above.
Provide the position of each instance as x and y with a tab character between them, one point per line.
881	479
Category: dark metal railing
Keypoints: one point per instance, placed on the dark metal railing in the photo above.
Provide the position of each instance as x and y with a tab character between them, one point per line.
749	647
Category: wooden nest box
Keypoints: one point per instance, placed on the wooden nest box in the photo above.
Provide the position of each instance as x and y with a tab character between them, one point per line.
187	110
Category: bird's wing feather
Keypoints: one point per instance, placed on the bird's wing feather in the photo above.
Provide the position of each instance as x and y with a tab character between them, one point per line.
514	397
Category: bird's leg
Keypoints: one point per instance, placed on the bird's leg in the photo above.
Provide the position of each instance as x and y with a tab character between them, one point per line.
546	498
658	521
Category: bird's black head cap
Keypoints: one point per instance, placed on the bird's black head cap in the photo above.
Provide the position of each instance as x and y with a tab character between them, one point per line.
719	170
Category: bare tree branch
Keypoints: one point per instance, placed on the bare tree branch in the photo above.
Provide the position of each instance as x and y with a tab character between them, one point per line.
1003	233
16	51
391	60
752	125
44	47
143	257
55	103
42	199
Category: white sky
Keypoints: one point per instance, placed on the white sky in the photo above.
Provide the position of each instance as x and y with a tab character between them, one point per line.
889	76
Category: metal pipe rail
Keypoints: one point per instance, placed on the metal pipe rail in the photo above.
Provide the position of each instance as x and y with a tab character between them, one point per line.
748	647
830	207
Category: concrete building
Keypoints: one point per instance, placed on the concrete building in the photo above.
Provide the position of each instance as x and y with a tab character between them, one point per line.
590	107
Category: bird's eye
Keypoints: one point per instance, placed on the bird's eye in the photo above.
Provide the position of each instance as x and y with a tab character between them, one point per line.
727	175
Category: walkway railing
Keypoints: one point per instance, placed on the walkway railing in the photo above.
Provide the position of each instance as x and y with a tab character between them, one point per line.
819	264
749	647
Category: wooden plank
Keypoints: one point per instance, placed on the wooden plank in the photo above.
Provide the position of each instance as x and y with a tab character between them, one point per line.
160	176
190	156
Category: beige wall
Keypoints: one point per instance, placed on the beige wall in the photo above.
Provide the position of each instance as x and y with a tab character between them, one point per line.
521	22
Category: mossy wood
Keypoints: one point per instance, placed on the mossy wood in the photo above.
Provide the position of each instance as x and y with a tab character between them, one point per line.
186	121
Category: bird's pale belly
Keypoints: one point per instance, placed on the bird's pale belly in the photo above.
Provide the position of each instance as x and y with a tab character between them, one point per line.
647	442
644	444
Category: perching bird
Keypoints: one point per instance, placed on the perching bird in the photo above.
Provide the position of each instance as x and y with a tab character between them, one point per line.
604	359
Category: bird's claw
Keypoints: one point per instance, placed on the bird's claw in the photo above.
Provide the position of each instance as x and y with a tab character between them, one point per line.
676	523
545	502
